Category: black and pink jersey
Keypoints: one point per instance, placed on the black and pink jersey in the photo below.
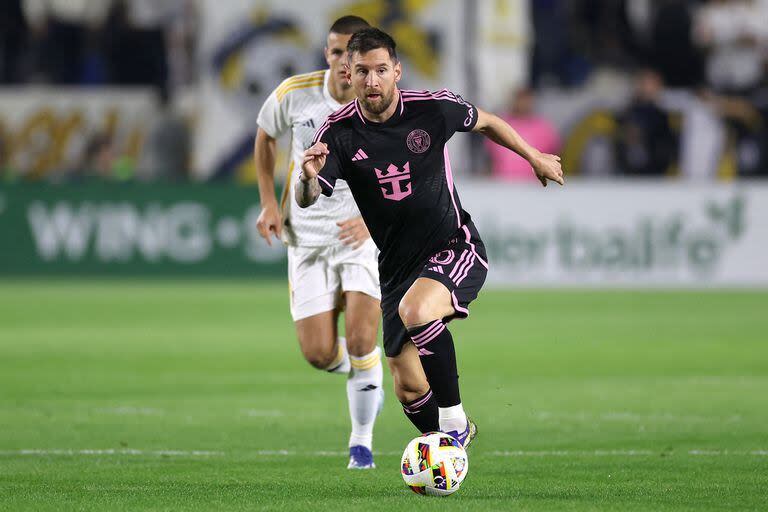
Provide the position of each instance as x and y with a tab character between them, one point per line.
400	175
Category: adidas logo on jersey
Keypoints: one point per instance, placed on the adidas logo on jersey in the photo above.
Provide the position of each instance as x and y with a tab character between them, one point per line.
310	123
360	155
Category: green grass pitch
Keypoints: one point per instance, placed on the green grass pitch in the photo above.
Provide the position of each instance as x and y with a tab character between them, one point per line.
153	395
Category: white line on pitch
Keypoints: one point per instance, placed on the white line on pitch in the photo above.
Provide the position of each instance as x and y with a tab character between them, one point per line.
631	417
323	453
727	452
126	451
128	410
570	453
622	453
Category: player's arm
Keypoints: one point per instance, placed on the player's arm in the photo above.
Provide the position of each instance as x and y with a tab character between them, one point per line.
274	120
307	188
264	156
546	167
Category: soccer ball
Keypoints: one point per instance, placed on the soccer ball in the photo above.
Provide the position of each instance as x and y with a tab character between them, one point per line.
434	464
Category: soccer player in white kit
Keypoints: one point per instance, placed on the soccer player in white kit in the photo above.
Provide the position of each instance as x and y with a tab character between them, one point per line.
332	261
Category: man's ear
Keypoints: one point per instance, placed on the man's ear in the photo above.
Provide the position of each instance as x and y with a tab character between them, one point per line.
398	71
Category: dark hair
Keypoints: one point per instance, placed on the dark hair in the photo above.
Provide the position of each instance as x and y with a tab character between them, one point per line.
369	39
349	25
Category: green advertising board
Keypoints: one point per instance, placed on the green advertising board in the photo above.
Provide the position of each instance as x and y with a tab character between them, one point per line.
133	230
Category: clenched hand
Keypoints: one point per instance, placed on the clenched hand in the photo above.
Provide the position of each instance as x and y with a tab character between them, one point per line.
314	160
547	167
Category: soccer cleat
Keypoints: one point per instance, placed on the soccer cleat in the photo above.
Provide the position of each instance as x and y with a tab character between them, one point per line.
360	457
467	436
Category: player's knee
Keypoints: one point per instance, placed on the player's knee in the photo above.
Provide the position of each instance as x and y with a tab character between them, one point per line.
318	356
319	360
360	342
318	347
414	313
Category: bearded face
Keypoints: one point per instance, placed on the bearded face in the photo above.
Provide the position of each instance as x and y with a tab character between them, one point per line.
374	76
377	102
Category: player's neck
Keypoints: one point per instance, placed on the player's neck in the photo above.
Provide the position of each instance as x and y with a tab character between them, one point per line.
384	116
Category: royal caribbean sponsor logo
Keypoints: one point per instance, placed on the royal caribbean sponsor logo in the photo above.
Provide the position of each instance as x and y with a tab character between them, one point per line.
397	180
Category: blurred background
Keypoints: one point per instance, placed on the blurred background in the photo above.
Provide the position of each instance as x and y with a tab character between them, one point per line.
126	132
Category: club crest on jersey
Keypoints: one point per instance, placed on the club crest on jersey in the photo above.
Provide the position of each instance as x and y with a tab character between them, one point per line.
418	141
399	181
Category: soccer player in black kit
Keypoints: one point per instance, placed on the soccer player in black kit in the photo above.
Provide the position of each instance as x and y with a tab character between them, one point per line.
389	145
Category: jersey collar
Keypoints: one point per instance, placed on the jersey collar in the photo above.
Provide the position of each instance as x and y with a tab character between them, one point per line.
392	120
335	105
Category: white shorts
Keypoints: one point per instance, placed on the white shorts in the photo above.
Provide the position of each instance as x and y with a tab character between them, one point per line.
317	276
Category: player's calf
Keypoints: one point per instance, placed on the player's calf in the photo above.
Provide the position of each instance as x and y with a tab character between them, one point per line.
365	396
364	386
423	412
438	358
412	390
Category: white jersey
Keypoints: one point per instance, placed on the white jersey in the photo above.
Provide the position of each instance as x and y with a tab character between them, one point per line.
301	103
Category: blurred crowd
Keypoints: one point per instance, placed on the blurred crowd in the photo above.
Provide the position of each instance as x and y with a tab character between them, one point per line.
688	80
141	43
98	42
652	87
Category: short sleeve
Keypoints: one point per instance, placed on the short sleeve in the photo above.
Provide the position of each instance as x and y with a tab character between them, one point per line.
273	116
332	169
459	114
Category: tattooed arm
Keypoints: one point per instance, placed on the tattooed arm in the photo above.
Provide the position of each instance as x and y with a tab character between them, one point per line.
307	189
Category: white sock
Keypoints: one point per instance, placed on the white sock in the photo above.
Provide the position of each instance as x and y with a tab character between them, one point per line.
340	363
452	418
365	395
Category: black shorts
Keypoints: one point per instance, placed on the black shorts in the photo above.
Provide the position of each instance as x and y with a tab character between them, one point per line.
461	266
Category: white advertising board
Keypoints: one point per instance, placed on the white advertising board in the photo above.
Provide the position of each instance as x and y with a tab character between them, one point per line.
625	234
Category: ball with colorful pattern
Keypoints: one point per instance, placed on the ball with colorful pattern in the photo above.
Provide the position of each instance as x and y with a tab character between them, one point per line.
434	464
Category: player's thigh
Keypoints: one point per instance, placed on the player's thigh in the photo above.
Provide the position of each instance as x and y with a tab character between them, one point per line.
362	316
425	300
314	285
357	269
407	374
314	300
317	338
358	273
